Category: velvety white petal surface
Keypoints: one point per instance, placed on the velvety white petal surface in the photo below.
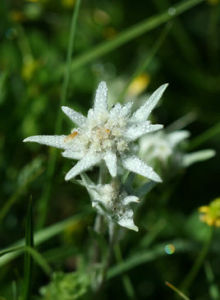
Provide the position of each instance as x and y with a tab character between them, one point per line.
191	158
121	111
74	116
115	109
101	98
129	199
134	164
72	154
126	109
177	136
111	163
144	111
127	221
135	131
83	165
56	141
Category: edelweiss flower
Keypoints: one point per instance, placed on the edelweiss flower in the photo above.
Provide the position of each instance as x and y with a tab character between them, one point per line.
106	134
163	149
111	202
161	146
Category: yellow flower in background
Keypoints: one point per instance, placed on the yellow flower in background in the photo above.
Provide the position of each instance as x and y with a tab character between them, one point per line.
75	230
68	3
109	33
101	17
36	1
28	69
17	16
213	2
210	214
138	85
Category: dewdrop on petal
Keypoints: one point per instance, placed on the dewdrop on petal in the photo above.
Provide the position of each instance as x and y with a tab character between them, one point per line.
106	135
210	214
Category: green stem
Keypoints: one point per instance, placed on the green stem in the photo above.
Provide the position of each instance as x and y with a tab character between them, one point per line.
180	35
107	261
133	32
205	136
44	200
198	262
143	66
125	278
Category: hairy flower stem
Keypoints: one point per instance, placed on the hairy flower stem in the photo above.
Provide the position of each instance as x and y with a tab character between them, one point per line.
198	262
112	239
98	228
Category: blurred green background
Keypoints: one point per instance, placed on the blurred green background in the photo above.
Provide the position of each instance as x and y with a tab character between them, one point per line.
184	52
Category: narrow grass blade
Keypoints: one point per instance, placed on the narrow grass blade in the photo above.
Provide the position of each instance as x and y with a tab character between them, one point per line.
12	249
129	289
144	257
213	287
44	200
204	137
14	291
28	263
144	64
41	237
182	122
40	260
191	276
20	191
153	233
176	290
132	33
180	35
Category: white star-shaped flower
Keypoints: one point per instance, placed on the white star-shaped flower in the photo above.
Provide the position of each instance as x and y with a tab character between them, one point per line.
106	134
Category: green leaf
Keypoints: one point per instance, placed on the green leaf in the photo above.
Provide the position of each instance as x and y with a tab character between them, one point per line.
44	200
144	257
28	263
145	63
29	173
205	136
40	260
132	33
40	237
213	287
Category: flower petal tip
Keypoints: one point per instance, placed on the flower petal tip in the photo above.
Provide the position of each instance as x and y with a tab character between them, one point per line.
135	228
65	109
158	179
103	84
67	177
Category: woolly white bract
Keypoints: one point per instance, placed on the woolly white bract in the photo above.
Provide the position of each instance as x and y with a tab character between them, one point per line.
112	202
106	134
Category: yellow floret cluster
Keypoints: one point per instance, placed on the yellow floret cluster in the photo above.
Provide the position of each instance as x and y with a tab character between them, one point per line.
210	214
